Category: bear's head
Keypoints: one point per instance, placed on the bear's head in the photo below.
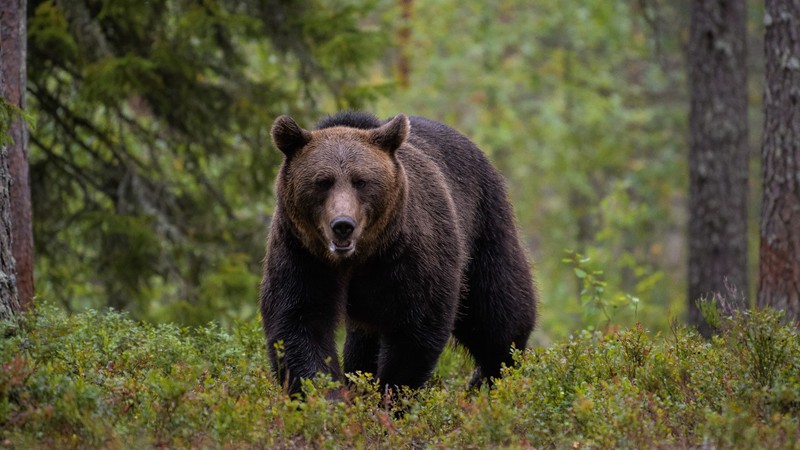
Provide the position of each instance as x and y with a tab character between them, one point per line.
341	187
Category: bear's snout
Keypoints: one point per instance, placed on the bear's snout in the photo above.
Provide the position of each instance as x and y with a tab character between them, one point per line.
343	226
342	242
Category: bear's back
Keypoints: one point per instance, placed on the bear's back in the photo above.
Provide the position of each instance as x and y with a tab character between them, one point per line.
471	178
352	119
459	158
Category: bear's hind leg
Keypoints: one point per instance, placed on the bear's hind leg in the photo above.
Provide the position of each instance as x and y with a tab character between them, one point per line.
490	347
499	308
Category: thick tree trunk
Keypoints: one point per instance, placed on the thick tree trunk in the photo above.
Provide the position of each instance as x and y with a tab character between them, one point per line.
16	216
779	267
718	154
13	81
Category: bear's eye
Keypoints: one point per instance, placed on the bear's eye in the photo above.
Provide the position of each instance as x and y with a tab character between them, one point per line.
323	184
359	183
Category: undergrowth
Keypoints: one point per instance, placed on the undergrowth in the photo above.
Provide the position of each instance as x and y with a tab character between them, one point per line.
101	380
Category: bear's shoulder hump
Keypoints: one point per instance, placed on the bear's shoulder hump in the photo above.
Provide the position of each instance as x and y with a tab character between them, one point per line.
352	119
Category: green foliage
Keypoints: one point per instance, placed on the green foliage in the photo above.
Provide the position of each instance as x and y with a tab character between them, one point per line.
579	105
7	114
599	307
152	171
151	167
100	380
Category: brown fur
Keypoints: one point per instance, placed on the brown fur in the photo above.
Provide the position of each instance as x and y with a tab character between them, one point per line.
329	157
433	252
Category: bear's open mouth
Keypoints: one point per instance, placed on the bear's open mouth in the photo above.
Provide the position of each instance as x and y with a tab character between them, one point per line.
342	248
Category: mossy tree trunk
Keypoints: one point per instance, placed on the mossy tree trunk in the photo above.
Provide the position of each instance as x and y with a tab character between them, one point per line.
779	266
718	154
16	241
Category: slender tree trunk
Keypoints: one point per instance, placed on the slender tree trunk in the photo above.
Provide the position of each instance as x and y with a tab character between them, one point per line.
404	44
779	267
718	155
12	87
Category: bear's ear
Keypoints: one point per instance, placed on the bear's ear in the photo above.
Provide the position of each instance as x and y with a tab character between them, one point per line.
288	136
391	135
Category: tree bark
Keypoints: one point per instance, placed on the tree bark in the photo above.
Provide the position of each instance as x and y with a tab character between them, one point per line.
404	44
718	154
13	81
13	190
779	266
9	299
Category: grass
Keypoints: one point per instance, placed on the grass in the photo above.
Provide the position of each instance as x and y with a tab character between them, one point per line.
101	380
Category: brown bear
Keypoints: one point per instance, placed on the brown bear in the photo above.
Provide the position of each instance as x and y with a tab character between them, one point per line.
401	228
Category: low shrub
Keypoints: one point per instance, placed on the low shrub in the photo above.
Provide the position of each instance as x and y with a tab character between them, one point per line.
102	380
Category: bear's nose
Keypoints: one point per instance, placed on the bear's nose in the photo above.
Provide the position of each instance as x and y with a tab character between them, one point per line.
343	226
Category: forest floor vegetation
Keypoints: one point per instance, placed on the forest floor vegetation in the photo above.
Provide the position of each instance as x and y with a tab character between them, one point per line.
103	380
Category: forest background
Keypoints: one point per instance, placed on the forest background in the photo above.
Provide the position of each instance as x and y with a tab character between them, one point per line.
152	170
151	175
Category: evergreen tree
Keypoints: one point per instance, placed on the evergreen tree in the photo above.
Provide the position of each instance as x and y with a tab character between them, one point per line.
151	165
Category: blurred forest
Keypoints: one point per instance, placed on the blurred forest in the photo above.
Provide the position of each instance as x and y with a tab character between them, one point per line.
152	169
